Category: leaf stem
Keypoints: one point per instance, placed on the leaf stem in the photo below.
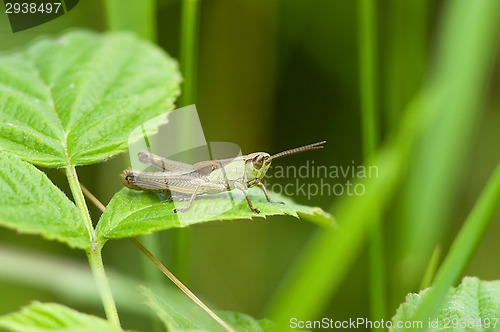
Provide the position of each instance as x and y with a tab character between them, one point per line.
95	260
80	200
162	268
94	253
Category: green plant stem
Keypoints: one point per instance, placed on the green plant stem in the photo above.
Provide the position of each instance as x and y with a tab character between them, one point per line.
190	21
95	260
189	50
463	247
76	191
94	253
405	30
368	61
370	133
430	271
132	15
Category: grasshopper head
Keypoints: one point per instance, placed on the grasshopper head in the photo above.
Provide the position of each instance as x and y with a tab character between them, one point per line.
256	166
258	163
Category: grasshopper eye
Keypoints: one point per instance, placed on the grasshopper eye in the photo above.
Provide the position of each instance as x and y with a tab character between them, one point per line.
258	161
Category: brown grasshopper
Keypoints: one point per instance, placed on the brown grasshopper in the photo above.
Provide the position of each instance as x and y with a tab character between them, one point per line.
206	177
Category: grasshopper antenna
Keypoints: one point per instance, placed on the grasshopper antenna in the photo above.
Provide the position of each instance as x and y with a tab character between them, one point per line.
313	146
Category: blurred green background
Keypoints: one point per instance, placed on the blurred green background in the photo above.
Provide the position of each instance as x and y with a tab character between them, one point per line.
274	75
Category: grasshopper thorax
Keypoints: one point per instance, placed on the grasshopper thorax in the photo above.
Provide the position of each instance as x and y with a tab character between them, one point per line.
256	166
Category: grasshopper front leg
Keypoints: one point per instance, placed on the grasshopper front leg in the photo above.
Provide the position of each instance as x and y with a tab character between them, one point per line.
244	191
260	184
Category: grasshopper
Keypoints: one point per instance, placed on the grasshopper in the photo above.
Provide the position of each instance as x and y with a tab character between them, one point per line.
206	177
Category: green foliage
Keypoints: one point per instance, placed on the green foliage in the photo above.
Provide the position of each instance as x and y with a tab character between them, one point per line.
131	213
473	305
30	203
75	99
43	317
440	156
464	245
179	314
317	274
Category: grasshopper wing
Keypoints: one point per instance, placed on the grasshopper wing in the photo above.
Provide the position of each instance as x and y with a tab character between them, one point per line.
173	182
204	168
163	164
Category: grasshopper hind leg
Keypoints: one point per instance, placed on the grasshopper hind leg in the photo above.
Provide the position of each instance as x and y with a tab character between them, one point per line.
191	200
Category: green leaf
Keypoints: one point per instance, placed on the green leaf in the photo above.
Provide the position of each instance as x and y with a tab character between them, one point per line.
131	213
243	323
180	313
30	203
75	99
44	317
473	302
